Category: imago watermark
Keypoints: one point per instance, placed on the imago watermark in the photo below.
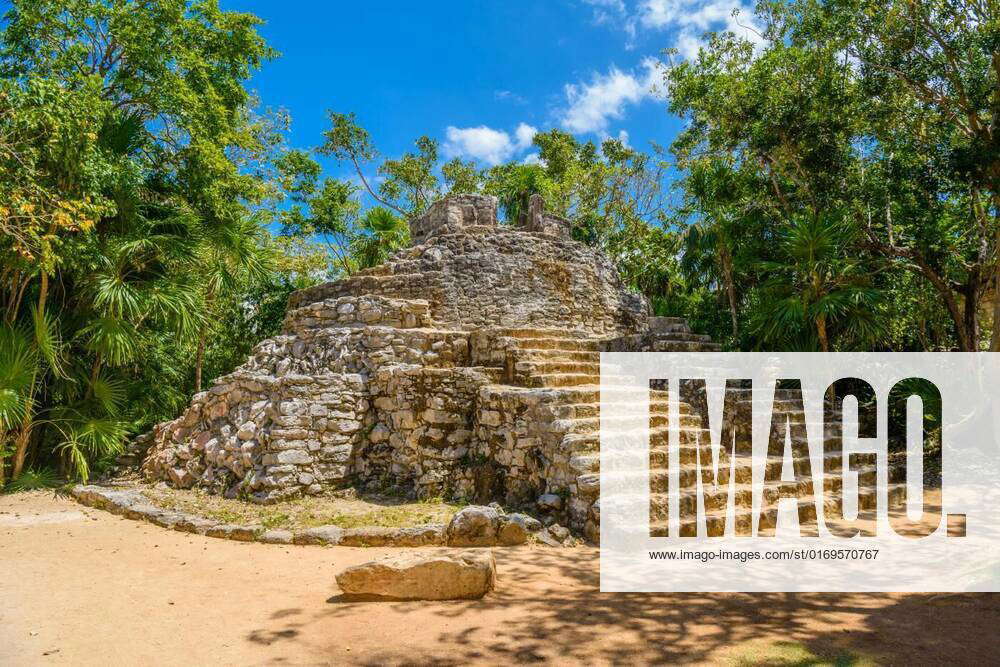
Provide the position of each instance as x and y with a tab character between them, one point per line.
800	472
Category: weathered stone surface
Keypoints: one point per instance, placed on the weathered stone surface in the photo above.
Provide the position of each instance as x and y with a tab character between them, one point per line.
546	538
421	575
414	536
558	532
550	501
463	367
235	532
474	526
515	528
529	523
134	505
276	537
323	535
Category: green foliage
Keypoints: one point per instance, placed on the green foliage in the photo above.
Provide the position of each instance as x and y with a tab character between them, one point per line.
134	189
855	110
34	479
839	188
381	233
19	365
815	291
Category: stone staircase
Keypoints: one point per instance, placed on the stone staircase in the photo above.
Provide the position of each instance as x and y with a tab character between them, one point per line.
560	372
398	377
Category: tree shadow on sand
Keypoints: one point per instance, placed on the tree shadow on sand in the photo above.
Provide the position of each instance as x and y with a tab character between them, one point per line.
534	618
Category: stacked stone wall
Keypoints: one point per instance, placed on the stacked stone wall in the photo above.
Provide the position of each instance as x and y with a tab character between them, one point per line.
264	437
508	278
423	432
400	376
456	214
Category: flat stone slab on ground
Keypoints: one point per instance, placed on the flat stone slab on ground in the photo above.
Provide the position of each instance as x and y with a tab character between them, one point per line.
459	575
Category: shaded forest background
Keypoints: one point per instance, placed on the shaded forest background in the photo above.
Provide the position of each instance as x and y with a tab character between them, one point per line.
836	189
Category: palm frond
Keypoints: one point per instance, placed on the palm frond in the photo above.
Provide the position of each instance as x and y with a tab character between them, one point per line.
48	340
18	368
34	479
85	437
114	338
123	132
110	393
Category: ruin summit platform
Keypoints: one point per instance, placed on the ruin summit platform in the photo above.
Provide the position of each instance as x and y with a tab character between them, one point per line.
468	365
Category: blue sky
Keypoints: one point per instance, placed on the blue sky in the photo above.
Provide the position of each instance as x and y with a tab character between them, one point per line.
478	76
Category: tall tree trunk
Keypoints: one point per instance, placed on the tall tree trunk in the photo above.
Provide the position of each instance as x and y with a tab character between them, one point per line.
973	298
200	360
919	265
23	438
202	335
21	446
824	342
727	272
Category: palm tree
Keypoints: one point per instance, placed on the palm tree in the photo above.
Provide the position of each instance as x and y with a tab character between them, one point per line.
709	243
19	368
233	254
26	353
63	380
815	288
381	233
708	253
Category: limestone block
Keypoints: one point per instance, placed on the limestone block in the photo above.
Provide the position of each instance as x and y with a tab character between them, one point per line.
422	576
549	501
293	456
474	526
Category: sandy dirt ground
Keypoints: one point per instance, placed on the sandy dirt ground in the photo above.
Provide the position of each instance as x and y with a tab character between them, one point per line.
82	587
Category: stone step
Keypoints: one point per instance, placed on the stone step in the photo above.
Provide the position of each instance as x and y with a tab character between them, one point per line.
577	394
659	483
561	380
553	343
660	345
558	355
867	498
529	333
593	424
681	327
688	472
583	394
533	368
586	410
657	322
555	380
658	439
681	335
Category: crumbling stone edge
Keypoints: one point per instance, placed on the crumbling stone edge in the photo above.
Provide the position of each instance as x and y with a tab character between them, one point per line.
134	505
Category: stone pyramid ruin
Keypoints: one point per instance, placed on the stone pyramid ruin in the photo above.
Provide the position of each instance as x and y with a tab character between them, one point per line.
466	366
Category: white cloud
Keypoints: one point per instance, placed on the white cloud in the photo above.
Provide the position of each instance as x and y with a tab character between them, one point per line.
533	158
614	13
592	105
486	144
524	134
692	18
606	10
